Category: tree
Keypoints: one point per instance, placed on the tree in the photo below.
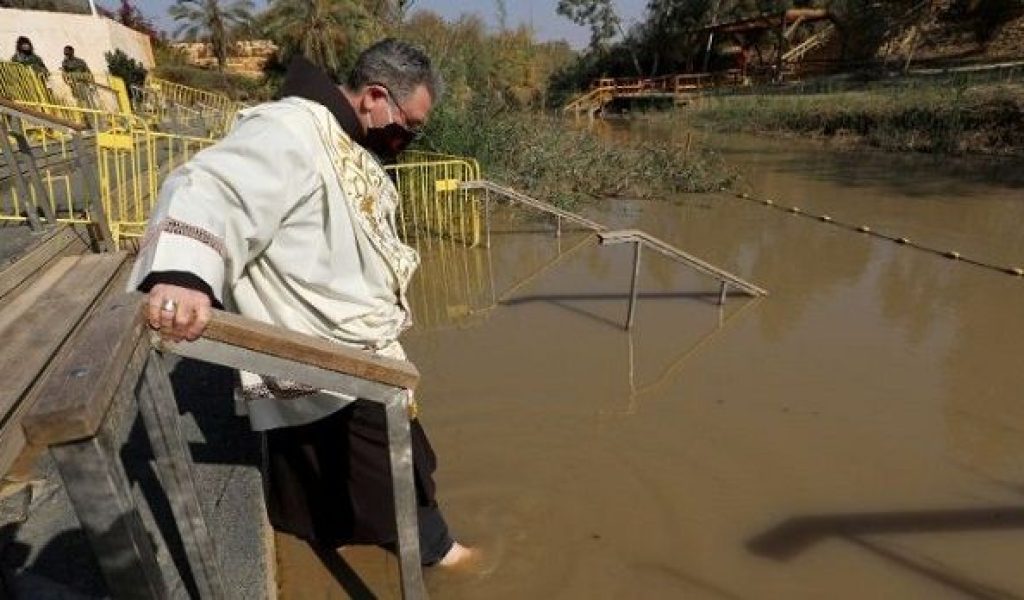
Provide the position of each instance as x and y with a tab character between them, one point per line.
327	32
130	16
213	21
604	24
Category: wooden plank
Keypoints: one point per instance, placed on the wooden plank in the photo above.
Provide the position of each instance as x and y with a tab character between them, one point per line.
74	398
174	463
21	267
18	457
254	361
26	299
29	347
235	330
73	250
102	499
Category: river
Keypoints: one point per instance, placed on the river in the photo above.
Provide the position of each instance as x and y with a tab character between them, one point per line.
859	433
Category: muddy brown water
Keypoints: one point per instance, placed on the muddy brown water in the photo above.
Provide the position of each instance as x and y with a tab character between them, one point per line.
857	434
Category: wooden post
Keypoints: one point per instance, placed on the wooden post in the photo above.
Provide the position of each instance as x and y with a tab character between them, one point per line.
406	521
99	216
633	287
102	499
173	461
782	48
19	179
35	177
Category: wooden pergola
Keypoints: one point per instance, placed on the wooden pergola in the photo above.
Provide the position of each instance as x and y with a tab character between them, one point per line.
785	23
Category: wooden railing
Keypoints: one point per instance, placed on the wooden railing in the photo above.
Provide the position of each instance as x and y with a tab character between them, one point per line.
87	361
606	89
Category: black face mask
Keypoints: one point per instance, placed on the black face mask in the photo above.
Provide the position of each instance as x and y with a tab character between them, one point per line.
389	141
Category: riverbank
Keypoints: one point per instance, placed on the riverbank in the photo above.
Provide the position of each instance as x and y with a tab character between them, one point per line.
553	159
942	116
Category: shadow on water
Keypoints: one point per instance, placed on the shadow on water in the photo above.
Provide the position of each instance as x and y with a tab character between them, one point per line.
797	535
343	574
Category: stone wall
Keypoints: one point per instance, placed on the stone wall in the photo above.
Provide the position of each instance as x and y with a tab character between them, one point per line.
245	57
91	36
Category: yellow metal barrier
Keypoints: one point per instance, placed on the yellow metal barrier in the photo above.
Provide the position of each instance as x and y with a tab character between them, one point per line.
422	156
22	84
129	159
432	203
99	91
216	111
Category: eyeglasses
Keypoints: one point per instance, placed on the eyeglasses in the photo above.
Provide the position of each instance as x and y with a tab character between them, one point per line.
409	133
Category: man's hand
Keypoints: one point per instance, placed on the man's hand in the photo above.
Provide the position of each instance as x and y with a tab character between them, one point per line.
178	312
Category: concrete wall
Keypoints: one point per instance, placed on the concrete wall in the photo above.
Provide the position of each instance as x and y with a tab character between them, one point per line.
91	36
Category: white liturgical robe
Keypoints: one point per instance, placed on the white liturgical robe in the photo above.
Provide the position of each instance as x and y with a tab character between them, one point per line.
290	222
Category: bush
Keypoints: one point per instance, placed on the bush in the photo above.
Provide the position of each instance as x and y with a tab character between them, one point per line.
126	67
557	162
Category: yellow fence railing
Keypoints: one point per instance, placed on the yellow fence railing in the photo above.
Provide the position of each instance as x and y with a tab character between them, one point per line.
20	83
190	105
130	152
433	204
126	158
99	91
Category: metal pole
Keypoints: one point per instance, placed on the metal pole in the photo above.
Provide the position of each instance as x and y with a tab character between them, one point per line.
487	215
400	450
723	293
633	285
558	226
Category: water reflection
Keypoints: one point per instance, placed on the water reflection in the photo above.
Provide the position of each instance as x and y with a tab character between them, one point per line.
855	434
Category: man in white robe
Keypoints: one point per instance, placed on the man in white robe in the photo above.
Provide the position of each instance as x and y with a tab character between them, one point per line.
290	220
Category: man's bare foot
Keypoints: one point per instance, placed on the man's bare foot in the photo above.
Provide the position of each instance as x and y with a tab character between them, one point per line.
460	557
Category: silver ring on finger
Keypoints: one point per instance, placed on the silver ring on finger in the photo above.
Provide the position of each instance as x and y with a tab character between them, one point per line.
169	306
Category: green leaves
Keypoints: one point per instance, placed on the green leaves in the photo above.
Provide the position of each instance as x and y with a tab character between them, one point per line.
212	21
599	15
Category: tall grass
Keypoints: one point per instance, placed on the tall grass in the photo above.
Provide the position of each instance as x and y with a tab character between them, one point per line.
948	116
553	159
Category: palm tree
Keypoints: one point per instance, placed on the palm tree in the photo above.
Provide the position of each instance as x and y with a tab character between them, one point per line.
212	20
322	30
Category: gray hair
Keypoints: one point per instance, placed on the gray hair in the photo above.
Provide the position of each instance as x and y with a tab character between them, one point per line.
397	65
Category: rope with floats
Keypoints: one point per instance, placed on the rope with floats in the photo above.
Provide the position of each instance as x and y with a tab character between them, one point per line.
865	229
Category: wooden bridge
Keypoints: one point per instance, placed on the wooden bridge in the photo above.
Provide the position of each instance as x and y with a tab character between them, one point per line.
680	89
743	36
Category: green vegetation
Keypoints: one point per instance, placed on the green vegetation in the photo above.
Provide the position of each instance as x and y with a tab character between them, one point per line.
941	116
126	67
498	90
214	21
671	38
547	157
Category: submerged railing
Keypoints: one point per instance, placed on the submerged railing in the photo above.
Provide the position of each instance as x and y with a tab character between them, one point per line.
639	239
